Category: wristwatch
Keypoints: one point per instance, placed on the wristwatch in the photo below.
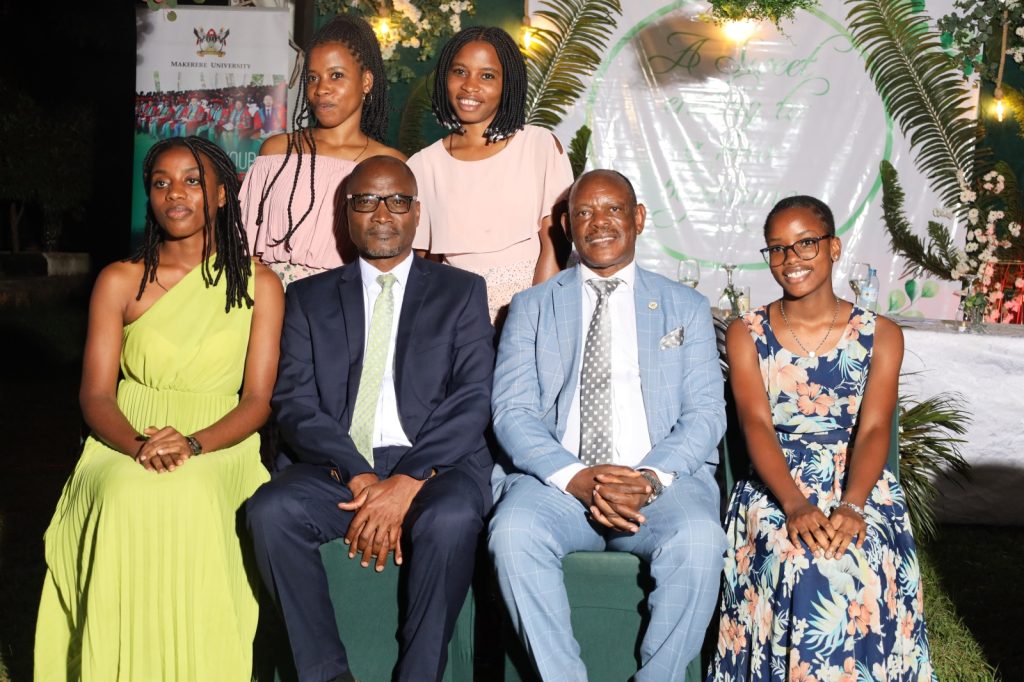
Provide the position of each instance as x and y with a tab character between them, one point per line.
195	445
656	485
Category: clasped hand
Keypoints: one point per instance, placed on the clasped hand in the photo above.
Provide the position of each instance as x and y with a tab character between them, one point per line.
164	450
380	507
827	536
614	495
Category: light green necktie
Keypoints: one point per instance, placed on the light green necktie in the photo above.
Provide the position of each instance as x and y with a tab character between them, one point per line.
374	357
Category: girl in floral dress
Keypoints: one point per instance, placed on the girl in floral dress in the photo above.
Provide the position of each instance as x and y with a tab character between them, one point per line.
821	575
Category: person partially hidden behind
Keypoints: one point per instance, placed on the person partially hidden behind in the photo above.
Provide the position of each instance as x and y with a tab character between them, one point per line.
383	395
608	402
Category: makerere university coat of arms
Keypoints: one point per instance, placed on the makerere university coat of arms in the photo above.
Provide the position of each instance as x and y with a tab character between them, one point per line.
211	43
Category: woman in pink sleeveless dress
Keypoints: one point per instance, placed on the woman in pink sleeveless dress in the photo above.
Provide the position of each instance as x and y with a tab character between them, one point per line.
289	194
488	189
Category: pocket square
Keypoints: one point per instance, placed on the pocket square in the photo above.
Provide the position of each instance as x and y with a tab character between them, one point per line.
672	340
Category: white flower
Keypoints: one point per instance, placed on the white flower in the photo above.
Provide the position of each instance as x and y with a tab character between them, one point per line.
386	52
444	7
995	215
455	22
943	213
967	196
971	247
1020	31
981	238
1014	229
972	216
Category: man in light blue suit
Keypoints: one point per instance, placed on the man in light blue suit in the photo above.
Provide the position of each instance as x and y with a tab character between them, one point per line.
608	402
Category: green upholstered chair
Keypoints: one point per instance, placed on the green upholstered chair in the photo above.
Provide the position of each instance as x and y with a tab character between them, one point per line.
366	610
607	596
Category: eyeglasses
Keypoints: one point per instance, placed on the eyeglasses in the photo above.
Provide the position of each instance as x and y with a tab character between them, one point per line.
368	203
805	249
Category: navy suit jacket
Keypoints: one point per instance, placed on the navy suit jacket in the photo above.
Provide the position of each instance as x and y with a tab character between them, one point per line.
444	365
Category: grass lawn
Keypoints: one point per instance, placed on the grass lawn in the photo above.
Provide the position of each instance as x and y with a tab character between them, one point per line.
973	595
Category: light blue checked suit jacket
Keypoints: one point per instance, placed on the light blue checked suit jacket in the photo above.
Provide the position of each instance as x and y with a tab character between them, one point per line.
538	366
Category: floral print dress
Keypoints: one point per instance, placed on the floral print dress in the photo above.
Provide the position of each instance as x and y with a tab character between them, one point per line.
785	614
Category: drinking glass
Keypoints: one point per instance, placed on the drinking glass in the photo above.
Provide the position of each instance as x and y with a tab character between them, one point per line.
858	279
689	272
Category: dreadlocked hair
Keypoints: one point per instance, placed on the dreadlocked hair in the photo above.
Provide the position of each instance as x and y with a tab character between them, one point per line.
357	36
232	257
511	114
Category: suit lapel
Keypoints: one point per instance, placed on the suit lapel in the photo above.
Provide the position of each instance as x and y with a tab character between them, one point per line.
350	289
416	291
567	308
650	316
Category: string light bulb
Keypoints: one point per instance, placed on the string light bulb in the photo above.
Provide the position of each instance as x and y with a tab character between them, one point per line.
740	30
1000	107
381	27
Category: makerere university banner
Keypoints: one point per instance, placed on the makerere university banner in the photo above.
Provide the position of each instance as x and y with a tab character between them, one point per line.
219	73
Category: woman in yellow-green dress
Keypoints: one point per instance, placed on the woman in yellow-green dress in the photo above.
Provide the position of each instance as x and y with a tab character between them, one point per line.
145	574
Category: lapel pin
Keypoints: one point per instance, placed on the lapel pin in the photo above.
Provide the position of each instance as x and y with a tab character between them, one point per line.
653	305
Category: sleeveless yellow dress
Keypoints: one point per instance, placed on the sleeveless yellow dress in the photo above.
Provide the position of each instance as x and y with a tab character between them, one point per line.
145	575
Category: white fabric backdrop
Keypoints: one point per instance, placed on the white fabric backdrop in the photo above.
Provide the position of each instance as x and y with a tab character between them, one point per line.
713	133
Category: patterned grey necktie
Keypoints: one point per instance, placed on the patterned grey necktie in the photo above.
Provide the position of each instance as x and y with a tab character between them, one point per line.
596	380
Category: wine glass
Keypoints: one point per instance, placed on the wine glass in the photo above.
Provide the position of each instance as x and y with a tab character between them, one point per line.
689	272
728	301
859	279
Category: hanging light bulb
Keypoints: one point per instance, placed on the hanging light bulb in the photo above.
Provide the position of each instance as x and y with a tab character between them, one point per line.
1000	107
382	28
739	31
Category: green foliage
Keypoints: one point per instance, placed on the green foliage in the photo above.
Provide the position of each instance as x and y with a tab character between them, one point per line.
937	256
561	57
758	10
415	28
920	86
417	107
578	150
930	449
974	24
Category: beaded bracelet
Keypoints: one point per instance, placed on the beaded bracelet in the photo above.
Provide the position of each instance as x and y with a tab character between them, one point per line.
854	507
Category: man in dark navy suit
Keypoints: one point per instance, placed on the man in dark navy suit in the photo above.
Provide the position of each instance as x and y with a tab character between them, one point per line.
383	395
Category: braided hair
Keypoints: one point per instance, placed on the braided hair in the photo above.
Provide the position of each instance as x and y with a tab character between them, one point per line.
232	258
511	114
357	36
818	207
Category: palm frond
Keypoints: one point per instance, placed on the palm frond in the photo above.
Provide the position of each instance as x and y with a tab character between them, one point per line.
921	87
561	57
578	150
930	449
938	256
417	107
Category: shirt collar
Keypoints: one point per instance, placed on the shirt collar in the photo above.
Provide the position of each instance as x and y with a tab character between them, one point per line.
626	274
369	273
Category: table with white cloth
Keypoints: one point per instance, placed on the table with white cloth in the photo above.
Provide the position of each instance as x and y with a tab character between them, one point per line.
987	370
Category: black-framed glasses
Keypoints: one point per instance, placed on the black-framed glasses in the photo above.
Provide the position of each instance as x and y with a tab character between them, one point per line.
368	203
805	249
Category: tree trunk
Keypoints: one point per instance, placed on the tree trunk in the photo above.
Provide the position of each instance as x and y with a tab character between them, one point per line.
16	212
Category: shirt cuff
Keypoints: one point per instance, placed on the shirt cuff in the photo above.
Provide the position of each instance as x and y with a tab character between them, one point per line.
560	479
666	479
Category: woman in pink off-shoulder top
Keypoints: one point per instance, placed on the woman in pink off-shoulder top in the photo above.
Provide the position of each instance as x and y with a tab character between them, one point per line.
488	189
289	194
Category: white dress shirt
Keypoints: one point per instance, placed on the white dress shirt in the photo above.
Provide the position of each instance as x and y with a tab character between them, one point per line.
631	440
387	428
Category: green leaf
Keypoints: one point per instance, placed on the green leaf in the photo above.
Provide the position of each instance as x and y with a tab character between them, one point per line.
930	289
938	256
417	106
910	286
560	58
896	300
921	87
578	150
